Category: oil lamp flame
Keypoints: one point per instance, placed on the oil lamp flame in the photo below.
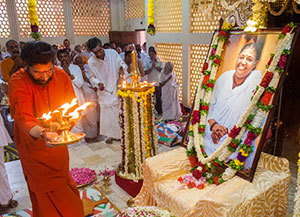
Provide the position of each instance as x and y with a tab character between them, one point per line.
47	116
76	113
66	106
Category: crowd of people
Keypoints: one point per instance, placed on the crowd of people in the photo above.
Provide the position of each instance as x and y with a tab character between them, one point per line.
39	77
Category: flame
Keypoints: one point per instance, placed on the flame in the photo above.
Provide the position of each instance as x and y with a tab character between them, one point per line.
75	114
47	116
66	106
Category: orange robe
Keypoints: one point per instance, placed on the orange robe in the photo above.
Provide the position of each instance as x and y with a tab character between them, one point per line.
6	67
46	170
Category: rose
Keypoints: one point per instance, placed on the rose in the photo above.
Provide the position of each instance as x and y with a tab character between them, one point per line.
267	79
204	107
266	98
213	52
196	117
193	160
201	129
216	181
205	79
286	29
234	132
205	66
270	61
282	61
197	174
232	145
217	61
211	85
222	33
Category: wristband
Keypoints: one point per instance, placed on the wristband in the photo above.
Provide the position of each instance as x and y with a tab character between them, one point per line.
211	127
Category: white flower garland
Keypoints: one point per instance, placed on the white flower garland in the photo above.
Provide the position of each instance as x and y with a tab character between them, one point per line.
144	211
155	144
222	152
143	152
126	137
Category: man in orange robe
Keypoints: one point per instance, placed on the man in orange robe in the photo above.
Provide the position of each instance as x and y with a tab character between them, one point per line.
39	88
13	63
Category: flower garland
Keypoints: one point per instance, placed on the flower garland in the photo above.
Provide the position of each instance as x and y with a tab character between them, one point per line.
250	121
137	126
145	211
151	27
34	22
259	14
297	195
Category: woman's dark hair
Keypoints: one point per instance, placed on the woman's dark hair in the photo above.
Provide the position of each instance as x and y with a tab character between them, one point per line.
93	42
257	48
37	52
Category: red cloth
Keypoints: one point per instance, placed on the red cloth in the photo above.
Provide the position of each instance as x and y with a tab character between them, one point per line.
45	169
131	187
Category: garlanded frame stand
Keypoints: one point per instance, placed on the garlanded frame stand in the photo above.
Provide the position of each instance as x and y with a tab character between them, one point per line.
138	135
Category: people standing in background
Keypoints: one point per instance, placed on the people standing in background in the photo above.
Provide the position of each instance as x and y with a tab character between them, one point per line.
124	49
119	50
86	52
128	61
67	45
144	47
113	45
170	93
152	70
78	50
106	66
3	55
91	119
74	72
107	46
39	88
6	197
141	55
21	44
13	63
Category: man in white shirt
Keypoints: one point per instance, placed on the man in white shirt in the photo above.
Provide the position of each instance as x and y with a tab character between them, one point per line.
152	70
91	119
106	66
75	74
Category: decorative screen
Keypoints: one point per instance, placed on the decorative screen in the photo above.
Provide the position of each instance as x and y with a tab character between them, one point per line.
4	25
50	14
91	18
205	23
168	16
134	9
198	54
171	53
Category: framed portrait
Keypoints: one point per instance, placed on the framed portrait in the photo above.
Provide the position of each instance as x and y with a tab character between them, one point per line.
242	68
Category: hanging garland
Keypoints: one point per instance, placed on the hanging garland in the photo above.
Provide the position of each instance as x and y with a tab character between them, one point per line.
297	195
259	14
138	136
282	9
295	4
34	22
151	27
251	120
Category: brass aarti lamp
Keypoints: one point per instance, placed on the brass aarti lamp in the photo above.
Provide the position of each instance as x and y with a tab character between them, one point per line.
62	119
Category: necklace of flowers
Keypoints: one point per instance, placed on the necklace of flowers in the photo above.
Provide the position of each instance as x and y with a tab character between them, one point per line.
151	28
250	120
145	211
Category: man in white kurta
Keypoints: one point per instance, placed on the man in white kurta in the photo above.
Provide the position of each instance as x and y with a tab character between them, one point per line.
5	192
75	74
91	119
105	66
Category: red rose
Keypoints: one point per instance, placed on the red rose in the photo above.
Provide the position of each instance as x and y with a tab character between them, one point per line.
202	150
286	29
204	169
210	85
217	61
205	79
222	33
213	52
270	60
266	98
215	164
205	66
266	79
201	129
204	107
216	180
193	160
281	62
234	132
196	117
232	145
197	174
200	186
180	179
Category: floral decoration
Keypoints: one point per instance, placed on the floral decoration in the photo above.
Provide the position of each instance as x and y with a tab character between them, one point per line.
145	211
250	121
82	176
151	27
138	136
34	22
107	172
